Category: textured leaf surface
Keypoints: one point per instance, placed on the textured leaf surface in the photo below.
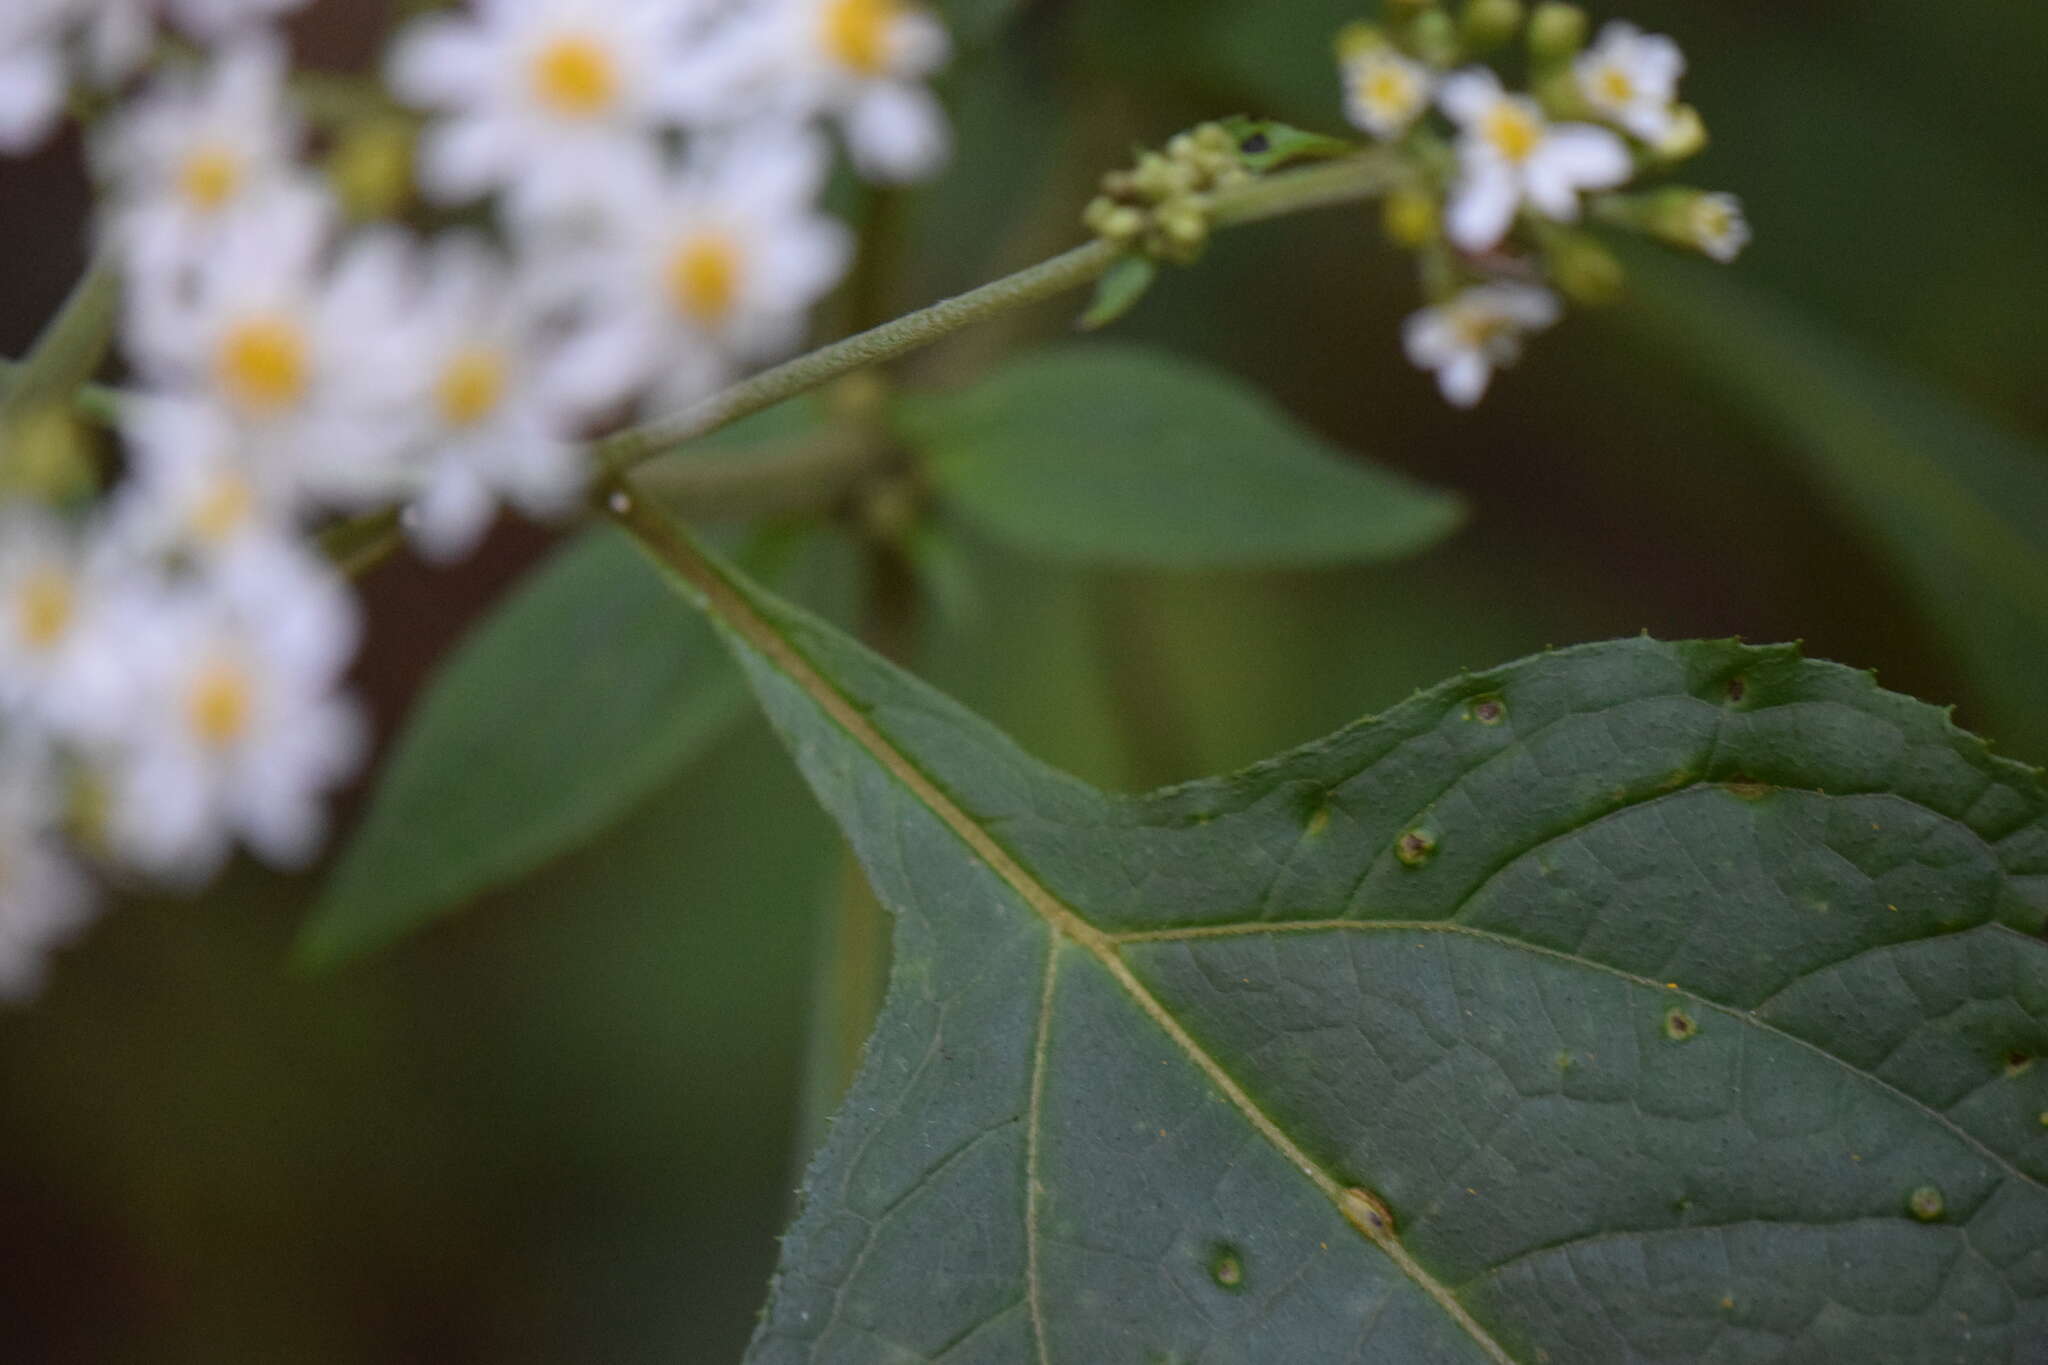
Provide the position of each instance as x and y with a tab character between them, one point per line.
575	699
1664	1002
1124	455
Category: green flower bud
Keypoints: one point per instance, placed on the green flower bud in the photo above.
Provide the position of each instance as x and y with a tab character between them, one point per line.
371	168
1411	218
1489	23
1357	40
47	456
1585	271
1434	37
1687	138
1557	33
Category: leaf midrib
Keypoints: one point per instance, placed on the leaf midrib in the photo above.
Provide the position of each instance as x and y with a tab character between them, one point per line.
730	606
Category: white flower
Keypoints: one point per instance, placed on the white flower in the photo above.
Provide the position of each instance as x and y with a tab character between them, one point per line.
199	485
1717	226
1631	79
187	153
712	270
861	62
481	423
44	899
33	79
1384	92
549	100
286	345
238	729
1509	153
1479	331
67	605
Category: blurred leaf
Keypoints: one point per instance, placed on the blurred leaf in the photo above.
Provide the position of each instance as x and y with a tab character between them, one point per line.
1266	145
1119	291
1959	504
1419	1042
1118	454
582	693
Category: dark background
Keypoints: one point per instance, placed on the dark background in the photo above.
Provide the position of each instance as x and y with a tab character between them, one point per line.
562	1125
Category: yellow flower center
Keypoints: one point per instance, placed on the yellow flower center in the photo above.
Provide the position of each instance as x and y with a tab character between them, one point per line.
704	277
262	364
210	177
44	608
225	508
472	385
857	32
1614	85
576	76
1390	91
1512	130
218	704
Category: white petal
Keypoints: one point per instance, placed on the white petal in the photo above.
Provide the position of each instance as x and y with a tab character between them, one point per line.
1482	206
441	62
1468	95
451	515
897	133
1464	380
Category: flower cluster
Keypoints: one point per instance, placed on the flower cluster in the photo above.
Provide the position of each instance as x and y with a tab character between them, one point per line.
619	209
1503	178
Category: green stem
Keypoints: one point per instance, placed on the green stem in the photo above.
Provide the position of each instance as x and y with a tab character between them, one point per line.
911	332
71	346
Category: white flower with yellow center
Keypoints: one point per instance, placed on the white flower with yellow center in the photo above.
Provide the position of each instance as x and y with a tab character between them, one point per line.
285	343
1509	153
44	899
1630	78
1384	92
547	100
1465	340
712	270
66	605
198	487
861	62
187	153
239	729
480	424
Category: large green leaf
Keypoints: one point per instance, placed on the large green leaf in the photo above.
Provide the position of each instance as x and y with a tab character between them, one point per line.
1956	502
1635	1002
1124	455
575	699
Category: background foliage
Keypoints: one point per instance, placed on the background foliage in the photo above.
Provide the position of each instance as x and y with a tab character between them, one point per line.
564	1124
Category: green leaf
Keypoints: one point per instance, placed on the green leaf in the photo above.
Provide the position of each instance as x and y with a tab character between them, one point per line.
1123	455
1642	1001
577	697
1267	145
1958	504
975	22
1119	291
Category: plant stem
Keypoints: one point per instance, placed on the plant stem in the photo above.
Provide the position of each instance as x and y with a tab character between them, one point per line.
911	332
71	345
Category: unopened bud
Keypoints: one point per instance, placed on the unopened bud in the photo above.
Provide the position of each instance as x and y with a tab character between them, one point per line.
1557	33
1411	218
1359	40
1126	224
371	169
1434	36
1687	136
1710	223
1216	140
1489	23
1184	224
46	455
1585	271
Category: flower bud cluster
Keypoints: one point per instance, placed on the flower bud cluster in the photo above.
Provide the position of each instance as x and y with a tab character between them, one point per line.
1161	205
618	207
1504	179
